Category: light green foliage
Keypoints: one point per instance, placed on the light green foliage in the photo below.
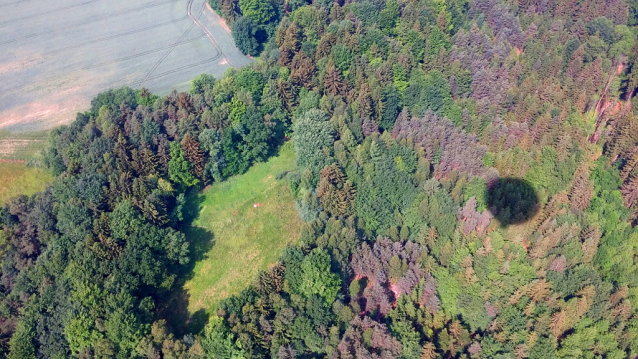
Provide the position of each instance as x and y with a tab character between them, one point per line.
21	342
399	77
437	41
260	11
17	179
317	277
250	80
342	57
81	333
237	110
477	188
312	21
179	168
549	175
624	44
313	136
202	83
219	343
448	290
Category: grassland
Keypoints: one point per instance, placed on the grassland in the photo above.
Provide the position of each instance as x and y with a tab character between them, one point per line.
17	179
22	145
252	217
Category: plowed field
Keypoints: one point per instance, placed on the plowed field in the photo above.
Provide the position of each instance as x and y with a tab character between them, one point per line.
57	55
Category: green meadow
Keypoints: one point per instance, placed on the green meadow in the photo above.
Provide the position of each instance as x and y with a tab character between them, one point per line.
246	221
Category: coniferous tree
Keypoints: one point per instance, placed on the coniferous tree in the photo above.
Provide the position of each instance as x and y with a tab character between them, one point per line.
335	191
333	82
194	155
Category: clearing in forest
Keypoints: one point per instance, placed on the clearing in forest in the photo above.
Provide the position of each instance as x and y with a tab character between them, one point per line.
252	218
18	179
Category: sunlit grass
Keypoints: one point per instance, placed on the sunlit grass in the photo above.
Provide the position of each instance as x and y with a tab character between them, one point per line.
18	179
252	218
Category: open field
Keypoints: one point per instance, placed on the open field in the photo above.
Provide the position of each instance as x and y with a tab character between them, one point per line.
56	56
22	145
17	179
252	218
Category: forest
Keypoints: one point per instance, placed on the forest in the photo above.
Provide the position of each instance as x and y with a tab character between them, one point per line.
466	171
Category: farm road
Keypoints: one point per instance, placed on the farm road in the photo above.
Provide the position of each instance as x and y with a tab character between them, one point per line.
55	56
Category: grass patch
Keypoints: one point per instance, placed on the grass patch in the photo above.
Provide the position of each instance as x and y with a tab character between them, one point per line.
18	179
22	145
245	238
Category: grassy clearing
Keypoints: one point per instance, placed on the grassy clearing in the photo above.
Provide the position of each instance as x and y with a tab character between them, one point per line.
22	145
246	238
17	179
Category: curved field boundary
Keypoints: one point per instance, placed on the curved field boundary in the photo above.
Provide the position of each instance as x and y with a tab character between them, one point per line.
210	35
207	33
82	44
106	63
107	17
189	15
47	13
140	82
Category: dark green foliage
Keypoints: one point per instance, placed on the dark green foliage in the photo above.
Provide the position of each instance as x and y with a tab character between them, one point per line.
512	200
449	173
202	84
244	32
391	107
632	19
342	57
602	27
112	99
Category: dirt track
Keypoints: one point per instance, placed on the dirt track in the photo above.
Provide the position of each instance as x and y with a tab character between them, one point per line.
56	56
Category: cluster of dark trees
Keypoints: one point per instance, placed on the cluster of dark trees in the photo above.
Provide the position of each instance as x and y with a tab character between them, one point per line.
467	172
90	259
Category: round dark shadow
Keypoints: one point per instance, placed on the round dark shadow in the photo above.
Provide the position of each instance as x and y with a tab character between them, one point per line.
511	200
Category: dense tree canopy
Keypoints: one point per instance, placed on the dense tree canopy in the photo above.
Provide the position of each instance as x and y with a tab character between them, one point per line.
466	171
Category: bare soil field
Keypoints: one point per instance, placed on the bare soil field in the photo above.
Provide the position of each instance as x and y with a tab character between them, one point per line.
55	56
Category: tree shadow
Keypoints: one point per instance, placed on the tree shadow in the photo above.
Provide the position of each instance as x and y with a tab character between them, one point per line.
511	200
174	305
174	308
200	239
